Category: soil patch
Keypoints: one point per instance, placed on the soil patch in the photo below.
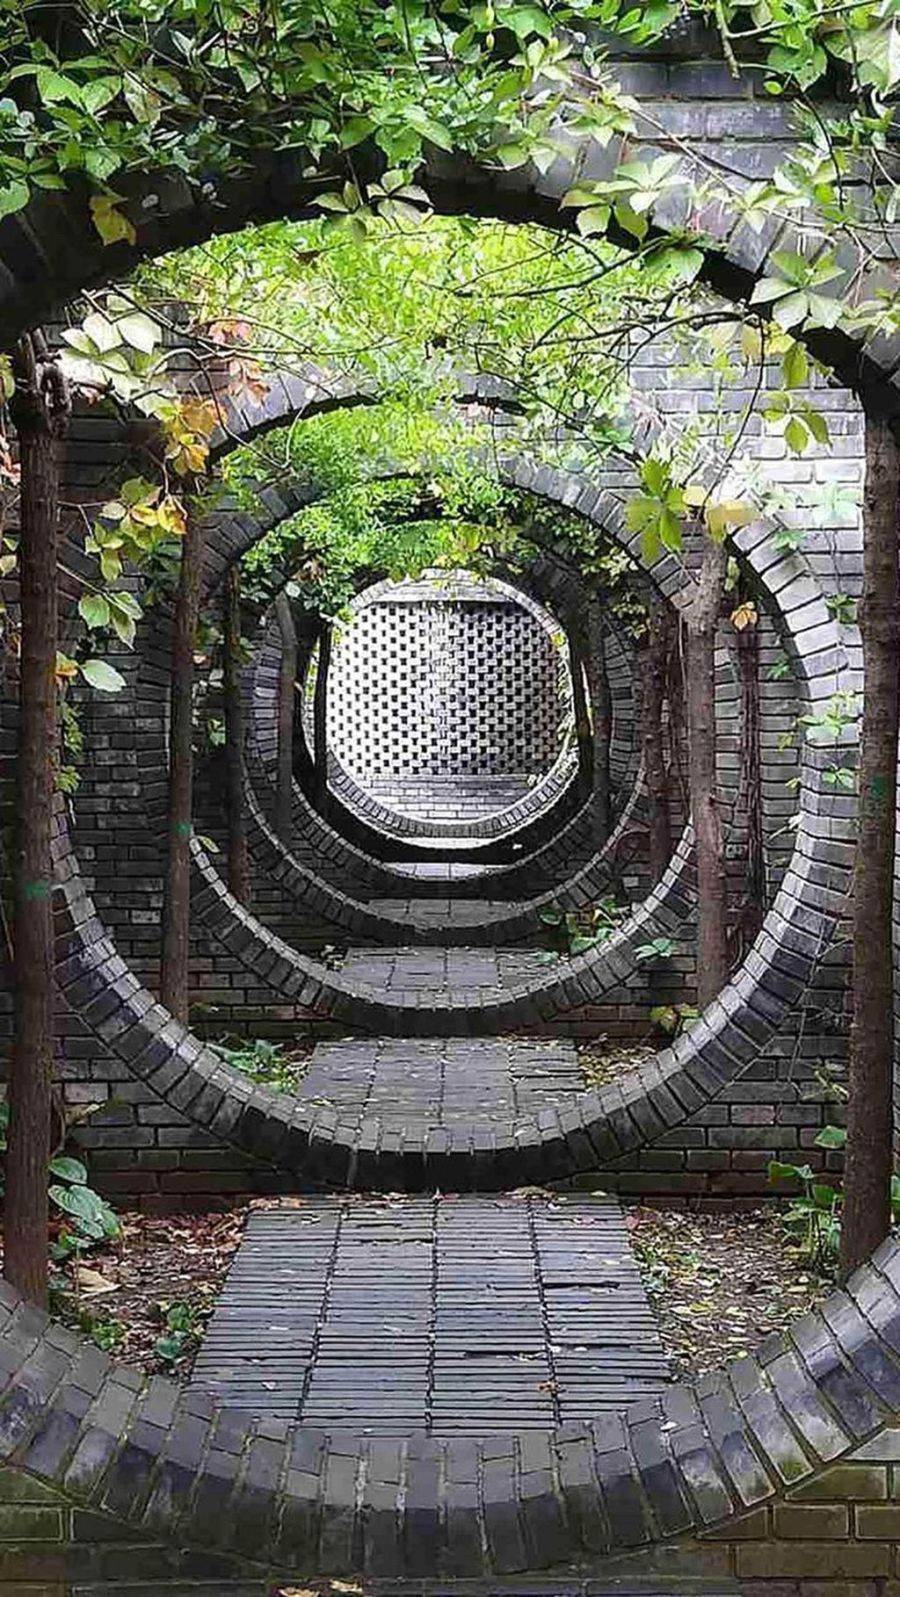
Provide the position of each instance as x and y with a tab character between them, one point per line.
721	1283
602	1061
146	1297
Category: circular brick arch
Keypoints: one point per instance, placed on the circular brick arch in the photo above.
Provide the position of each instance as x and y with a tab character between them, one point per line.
163	1464
686	101
578	887
171	1465
558	837
607	1123
547	783
562	598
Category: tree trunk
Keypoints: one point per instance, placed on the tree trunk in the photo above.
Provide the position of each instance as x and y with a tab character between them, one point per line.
173	984
702	617
40	410
753	908
601	699
287	693
583	732
660	627
320	716
235	796
677	719
869	1157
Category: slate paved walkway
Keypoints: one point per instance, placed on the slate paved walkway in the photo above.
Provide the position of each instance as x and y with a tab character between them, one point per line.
416	1084
457	1316
442	969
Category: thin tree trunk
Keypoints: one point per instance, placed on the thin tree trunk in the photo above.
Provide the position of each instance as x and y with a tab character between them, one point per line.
320	715
235	796
174	972
287	693
660	627
702	617
869	1157
677	719
583	733
754	904
40	410
601	699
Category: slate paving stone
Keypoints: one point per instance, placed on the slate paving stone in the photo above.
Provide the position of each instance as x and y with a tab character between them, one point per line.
441	970
418	1087
468	1316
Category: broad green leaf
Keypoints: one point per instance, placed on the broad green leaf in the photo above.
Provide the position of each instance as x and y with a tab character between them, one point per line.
13	197
796	435
795	366
94	610
69	1169
140	331
791	310
831	1137
100	674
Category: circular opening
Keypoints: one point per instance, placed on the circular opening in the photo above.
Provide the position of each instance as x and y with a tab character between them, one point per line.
449	700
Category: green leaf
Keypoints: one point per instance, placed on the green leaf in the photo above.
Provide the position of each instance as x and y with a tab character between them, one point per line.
13	197
140	331
768	289
69	1169
80	1202
795	367
817	425
100	674
54	87
831	1137
94	610
796	435
792	310
98	94
355	130
170	1347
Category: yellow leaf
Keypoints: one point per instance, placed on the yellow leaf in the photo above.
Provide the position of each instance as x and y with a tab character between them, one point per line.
751	343
724	517
92	1283
66	669
111	223
746	615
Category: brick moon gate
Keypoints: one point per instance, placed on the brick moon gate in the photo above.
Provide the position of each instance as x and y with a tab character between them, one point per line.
721	1478
449	697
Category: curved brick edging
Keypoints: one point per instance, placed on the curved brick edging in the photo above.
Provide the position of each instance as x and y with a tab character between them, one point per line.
500	826
166	1462
489	922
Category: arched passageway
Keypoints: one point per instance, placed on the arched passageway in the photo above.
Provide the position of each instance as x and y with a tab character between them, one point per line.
559	1485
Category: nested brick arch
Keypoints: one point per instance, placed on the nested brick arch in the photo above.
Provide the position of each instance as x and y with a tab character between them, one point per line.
232	534
160	1463
749	1011
573	887
307	1502
565	596
353	725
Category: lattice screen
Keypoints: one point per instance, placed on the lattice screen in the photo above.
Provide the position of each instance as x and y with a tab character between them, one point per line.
463	681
